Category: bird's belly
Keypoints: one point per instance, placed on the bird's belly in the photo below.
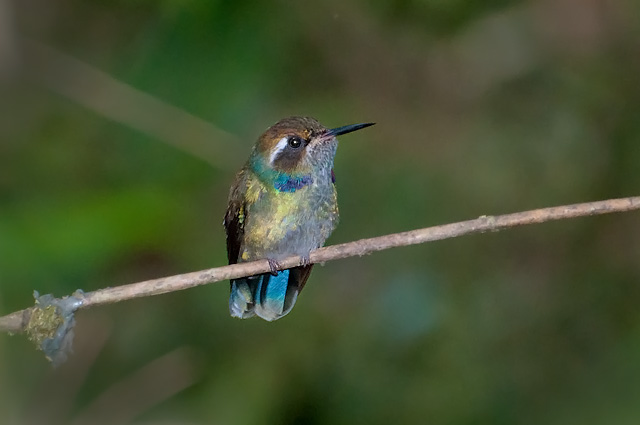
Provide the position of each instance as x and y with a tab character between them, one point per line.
288	225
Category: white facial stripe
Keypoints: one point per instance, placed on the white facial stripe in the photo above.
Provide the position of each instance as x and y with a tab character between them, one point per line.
282	143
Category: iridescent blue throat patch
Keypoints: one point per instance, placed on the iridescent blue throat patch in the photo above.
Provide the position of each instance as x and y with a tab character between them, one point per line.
291	184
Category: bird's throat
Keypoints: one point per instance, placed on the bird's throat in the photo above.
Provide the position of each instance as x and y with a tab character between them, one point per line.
280	181
291	184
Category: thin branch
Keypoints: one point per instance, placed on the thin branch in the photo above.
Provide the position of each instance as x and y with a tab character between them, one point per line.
124	104
17	322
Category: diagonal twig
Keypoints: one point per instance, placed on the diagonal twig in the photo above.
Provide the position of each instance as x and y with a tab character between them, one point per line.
17	321
105	95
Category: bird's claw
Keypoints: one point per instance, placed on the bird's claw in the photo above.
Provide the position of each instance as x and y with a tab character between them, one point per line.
305	260
274	266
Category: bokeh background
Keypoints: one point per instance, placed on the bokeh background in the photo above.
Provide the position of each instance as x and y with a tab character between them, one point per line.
122	124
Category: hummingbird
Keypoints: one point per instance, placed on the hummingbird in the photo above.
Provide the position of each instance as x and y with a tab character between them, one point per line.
283	202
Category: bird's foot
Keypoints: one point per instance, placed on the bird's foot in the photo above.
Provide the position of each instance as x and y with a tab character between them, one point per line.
274	266
305	260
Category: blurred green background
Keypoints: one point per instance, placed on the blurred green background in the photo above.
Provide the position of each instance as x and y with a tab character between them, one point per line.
122	124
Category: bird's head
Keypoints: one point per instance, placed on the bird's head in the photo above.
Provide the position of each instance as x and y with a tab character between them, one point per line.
299	145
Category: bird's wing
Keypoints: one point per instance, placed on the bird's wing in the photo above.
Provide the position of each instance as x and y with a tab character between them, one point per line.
300	275
234	219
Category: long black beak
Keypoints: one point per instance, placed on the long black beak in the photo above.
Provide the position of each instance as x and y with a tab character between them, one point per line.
347	129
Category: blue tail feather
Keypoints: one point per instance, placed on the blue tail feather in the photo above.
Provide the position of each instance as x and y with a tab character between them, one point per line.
268	296
271	294
241	299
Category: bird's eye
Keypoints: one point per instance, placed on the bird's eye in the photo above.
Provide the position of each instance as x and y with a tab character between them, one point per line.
295	142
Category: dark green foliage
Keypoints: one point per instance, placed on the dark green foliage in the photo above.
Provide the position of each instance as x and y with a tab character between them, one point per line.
481	108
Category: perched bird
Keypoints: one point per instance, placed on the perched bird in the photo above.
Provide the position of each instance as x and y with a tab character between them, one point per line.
282	203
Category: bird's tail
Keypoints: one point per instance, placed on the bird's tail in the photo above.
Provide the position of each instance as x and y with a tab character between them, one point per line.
270	297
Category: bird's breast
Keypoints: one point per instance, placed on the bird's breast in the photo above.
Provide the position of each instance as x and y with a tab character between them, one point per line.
283	223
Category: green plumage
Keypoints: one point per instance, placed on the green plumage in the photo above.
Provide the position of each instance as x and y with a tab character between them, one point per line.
282	203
